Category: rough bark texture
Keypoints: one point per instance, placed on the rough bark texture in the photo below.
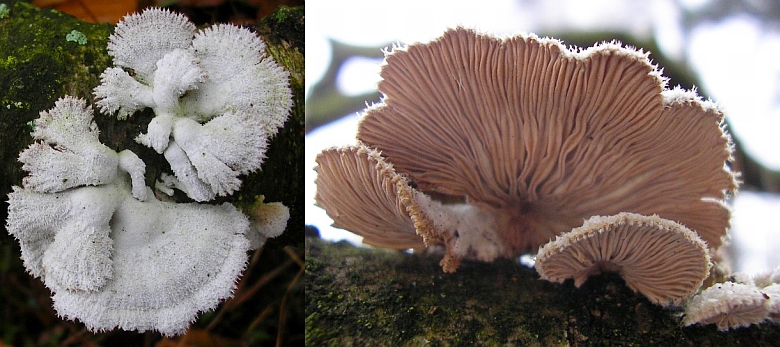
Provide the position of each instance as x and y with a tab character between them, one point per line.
371	297
38	65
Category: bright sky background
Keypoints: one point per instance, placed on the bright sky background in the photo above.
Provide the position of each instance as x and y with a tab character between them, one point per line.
749	59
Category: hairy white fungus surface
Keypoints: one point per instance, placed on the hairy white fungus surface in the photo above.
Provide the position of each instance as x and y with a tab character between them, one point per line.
170	261
220	76
67	152
728	305
111	253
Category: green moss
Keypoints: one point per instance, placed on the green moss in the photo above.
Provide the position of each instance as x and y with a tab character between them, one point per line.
281	14
393	298
284	20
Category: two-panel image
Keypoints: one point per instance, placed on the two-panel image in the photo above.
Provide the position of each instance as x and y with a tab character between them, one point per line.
432	173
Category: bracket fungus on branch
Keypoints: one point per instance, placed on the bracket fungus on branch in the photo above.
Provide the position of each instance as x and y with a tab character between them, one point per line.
661	259
220	76
360	191
534	138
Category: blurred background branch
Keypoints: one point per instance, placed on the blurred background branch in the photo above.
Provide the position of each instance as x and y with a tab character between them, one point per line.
327	103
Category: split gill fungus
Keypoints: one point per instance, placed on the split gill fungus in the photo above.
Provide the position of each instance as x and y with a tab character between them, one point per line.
493	147
112	254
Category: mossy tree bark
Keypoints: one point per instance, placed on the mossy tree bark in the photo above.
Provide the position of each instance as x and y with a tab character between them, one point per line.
38	65
371	297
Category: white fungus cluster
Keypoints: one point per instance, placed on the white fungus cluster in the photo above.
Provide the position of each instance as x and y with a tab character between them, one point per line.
742	302
219	76
87	224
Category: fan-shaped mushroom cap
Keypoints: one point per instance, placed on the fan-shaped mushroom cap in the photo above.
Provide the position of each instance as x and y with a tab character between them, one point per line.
266	220
729	305
169	264
210	156
659	258
363	193
59	218
542	137
67	153
242	78
131	45
65	237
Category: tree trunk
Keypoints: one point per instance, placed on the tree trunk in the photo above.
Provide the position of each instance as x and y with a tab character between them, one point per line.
372	297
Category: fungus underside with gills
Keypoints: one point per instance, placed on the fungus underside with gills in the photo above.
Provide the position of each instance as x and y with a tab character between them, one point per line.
534	138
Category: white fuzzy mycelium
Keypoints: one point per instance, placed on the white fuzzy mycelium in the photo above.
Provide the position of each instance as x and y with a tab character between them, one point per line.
217	96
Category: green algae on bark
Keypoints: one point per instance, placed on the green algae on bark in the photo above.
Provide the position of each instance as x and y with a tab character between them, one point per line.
358	296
